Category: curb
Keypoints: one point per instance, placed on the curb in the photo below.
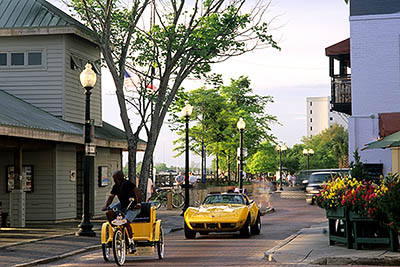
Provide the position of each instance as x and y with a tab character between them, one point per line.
385	261
71	253
59	257
36	240
268	255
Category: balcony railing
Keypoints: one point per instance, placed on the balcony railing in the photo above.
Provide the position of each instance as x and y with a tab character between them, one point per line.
341	94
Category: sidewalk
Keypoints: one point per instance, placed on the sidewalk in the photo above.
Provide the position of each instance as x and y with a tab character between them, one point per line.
310	246
44	243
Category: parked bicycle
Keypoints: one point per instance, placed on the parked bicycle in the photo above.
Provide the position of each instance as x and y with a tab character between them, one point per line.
160	197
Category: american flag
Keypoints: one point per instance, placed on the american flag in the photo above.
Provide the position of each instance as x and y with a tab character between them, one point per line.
132	82
129	83
152	87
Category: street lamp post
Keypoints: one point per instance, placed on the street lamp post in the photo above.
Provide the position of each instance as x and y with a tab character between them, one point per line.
241	125
308	153
88	81
186	112
281	149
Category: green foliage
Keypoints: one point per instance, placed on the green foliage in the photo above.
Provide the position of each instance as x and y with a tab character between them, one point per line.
264	160
388	206
216	112
330	146
161	167
357	167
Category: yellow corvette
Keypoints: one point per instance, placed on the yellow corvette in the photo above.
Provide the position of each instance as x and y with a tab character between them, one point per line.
223	212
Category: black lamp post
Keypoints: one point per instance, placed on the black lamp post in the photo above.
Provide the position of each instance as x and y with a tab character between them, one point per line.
186	112
88	80
308	153
241	125
281	149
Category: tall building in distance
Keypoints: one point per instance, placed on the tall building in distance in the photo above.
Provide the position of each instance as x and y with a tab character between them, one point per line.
320	116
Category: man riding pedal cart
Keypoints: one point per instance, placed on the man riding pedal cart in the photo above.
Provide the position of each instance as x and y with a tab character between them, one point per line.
125	190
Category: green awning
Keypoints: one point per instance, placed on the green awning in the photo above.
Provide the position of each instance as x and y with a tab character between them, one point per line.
389	141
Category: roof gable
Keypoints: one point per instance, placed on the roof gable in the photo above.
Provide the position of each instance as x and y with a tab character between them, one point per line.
29	14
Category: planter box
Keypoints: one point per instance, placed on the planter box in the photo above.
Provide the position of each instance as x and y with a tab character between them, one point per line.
368	231
338	213
339	226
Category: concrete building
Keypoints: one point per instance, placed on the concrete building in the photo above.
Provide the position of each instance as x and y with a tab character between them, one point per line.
320	116
42	109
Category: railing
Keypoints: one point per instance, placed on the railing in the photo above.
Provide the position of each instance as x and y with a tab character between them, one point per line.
168	180
341	90
341	94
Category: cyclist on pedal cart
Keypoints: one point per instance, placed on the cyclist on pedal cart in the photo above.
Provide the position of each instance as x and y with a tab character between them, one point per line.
124	189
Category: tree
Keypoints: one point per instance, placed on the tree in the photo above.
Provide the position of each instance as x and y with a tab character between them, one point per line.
330	147
264	160
177	44
217	111
357	167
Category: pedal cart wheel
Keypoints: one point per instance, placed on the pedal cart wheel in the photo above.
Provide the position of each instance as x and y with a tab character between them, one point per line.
119	247
106	248
160	245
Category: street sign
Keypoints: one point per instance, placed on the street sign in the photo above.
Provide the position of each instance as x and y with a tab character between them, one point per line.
90	150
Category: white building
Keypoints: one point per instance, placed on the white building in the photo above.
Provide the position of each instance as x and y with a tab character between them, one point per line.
375	54
320	116
371	93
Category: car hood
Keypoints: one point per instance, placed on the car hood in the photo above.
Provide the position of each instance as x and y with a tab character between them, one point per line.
215	212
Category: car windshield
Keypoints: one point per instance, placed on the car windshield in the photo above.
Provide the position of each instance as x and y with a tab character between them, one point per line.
224	199
321	177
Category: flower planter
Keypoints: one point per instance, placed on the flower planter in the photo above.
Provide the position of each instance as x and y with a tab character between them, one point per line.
339	226
367	231
339	213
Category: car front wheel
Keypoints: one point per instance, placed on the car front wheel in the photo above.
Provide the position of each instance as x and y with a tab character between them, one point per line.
189	234
256	228
245	230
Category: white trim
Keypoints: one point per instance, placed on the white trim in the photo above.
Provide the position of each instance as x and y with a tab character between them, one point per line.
375	17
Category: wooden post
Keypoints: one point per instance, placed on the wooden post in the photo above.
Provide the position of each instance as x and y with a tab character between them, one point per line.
169	200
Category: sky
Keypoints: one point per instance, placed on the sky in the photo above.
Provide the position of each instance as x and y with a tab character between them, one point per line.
303	30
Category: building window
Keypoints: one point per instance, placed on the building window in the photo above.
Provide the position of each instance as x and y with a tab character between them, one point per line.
17	59
311	128
310	111
3	59
331	118
310	119
310	103
34	58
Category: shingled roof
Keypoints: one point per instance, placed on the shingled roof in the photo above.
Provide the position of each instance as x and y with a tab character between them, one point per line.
33	15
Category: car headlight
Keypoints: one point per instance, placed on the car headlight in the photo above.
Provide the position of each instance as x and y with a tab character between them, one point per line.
312	190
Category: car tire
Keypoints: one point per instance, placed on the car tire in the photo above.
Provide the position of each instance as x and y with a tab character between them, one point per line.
246	228
256	228
189	234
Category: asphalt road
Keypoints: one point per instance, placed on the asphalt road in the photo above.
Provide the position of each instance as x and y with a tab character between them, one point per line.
221	249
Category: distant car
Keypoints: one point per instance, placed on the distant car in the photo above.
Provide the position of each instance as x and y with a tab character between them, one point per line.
223	212
315	183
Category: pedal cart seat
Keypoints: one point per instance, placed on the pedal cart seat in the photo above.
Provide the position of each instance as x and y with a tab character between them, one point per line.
145	213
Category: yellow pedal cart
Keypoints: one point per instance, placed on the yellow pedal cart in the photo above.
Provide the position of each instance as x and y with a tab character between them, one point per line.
147	234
